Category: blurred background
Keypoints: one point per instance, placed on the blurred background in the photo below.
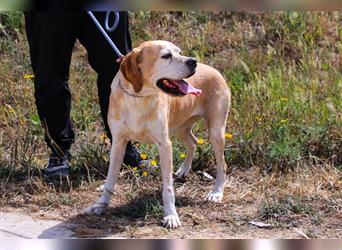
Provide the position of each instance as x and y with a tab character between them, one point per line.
163	5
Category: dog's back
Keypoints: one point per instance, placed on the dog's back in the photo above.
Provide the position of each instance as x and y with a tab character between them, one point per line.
214	100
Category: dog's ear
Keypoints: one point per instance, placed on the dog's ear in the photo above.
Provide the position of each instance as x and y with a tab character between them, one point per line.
130	69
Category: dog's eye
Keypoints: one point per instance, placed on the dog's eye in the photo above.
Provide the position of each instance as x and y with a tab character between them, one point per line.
166	56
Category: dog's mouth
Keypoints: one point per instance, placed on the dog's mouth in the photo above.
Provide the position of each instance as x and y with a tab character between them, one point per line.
177	87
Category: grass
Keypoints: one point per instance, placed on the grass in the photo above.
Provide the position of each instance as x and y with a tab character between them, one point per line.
284	70
284	207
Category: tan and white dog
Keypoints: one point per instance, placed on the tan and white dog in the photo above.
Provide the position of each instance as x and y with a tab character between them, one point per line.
150	100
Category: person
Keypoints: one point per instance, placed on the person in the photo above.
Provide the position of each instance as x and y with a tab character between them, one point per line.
51	36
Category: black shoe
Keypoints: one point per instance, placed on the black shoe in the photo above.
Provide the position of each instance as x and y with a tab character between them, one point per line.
58	168
132	157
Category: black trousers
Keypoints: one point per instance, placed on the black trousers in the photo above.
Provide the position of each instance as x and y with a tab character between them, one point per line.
51	37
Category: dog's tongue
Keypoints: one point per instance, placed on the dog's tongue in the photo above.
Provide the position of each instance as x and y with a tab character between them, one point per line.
187	88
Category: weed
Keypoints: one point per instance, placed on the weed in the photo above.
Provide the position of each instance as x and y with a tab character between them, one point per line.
286	206
283	69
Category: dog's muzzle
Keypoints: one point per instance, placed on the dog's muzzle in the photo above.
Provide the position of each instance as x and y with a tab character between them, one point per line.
177	87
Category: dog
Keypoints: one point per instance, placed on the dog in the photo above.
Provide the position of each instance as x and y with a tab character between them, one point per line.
156	92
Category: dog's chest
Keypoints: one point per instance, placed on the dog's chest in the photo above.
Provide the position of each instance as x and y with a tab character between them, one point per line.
135	120
142	120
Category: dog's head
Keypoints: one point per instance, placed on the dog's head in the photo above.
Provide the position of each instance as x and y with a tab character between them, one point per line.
159	65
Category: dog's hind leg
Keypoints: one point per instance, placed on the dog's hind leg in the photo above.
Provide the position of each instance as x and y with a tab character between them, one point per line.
116	158
216	127
186	136
216	136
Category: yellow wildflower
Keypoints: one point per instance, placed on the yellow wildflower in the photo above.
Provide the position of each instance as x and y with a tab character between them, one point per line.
182	155
228	136
143	156
103	137
10	109
200	141
284	121
28	76
154	163
284	99
135	169
145	174
22	122
258	118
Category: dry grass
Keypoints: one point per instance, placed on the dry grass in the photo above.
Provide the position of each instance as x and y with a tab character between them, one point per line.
284	70
307	198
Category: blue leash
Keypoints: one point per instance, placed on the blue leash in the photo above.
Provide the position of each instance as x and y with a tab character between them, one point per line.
116	21
108	29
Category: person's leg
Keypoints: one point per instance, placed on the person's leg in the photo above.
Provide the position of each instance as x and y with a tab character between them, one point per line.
102	59
51	36
101	56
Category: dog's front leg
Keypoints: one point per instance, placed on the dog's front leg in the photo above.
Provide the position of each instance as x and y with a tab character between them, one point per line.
116	158
171	219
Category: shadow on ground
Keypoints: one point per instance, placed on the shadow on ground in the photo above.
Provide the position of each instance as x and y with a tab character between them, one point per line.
115	221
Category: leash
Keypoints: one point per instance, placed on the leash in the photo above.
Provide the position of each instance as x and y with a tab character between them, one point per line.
108	29
110	41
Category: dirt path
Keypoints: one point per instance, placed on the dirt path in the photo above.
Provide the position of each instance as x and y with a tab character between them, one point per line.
255	206
22	226
16	225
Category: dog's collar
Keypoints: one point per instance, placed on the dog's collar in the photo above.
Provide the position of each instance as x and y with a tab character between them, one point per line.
126	92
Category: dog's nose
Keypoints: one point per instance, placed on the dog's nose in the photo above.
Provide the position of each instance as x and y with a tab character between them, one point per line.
192	62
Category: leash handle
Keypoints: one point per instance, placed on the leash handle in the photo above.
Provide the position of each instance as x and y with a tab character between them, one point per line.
116	21
104	33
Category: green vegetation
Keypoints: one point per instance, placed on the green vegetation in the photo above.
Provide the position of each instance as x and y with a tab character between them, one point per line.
284	207
284	70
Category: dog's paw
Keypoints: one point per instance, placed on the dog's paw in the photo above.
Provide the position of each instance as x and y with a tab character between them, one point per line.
171	221
182	172
96	208
214	197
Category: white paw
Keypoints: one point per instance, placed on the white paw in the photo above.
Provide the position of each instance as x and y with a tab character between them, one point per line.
171	221
183	172
96	208
214	197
